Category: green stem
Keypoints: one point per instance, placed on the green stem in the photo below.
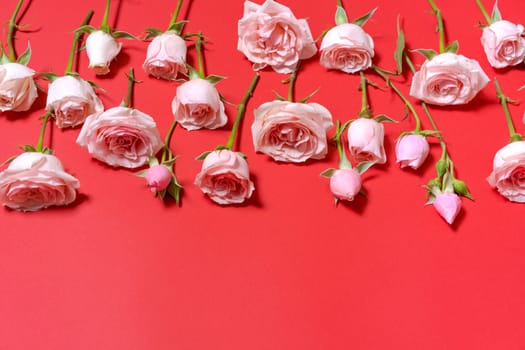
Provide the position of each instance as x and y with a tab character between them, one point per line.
175	15
11	31
200	61
484	12
167	139
291	86
514	136
104	26
365	111
129	96
40	144
441	30
77	37
344	163
340	3
240	111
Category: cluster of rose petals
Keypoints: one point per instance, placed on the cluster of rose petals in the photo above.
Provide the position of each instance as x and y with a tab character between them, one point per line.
504	44
448	205
412	150
17	88
101	49
345	184
366	139
166	56
508	174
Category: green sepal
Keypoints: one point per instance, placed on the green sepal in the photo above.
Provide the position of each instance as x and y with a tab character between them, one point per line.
25	56
336	201
384	71
400	48
453	47
124	35
141	173
86	29
73	74
304	100
214	79
328	173
152	161
428	53
363	19
203	155
323	33
460	187
362	192
28	148
193	73
441	167
244	156
431	200
496	14
429	133
95	85
4	58
278	97
170	162
384	118
51	77
178	26
152	32
174	190
224	100
8	160
47	150
340	16
221	147
363	166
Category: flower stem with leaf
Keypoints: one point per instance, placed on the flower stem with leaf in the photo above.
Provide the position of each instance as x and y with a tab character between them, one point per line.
484	12
292	79
173	20
200	58
441	30
40	145
504	100
11	31
344	163
128	102
73	51
104	26
365	110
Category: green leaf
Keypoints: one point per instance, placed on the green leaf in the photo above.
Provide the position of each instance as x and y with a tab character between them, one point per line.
496	14
25	56
363	19
460	187
428	53
86	29
400	48
340	16
203	155
304	100
328	172
384	118
453	47
51	77
363	166
214	79
125	35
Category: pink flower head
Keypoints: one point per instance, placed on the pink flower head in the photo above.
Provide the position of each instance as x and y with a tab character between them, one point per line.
225	177
503	44
345	184
448	79
166	56
101	49
72	99
347	47
35	181
17	88
197	105
448	205
291	132
158	177
270	35
121	136
508	174
412	150
365	140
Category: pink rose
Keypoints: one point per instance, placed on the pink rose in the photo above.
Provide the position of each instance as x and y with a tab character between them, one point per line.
345	184
270	35
158	177
121	136
101	49
366	139
225	177
291	132
35	181
448	79
347	47
72	99
508	174
197	105
166	56
503	44
412	150
17	88
448	205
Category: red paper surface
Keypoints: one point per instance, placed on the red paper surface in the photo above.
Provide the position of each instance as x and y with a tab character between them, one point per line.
120	269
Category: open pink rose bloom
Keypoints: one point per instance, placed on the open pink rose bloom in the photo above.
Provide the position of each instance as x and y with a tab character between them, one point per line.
508	174
503	44
17	88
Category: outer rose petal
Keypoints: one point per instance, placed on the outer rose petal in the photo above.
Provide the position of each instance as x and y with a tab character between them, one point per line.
412	150
166	56
101	49
17	88
345	184
366	140
508	174
448	205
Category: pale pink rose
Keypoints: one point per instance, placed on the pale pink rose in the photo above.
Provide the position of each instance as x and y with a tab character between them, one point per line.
121	136
166	56
347	47
448	79
291	132
366	139
72	99
197	105
508	174
448	205
225	177
503	44
101	49
412	150
35	181
17	88
345	184
158	177
270	35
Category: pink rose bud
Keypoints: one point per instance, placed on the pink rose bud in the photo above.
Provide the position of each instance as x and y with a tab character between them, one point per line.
448	205
158	177
412	150
366	139
101	49
35	181
291	132
448	79
347	47
197	105
270	35
508	174
166	56
503	44
345	184
72	99
17	88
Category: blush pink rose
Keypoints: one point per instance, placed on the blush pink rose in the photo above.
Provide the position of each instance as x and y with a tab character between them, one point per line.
197	105
35	181
101	49
225	177
17	88
270	35
503	44
366	139
448	205
508	174
166	56
72	99
158	177
291	132
345	184
120	136
412	150
347	47
448	79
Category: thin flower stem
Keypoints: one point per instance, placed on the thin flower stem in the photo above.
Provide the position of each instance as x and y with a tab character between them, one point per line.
167	139
11	31
340	3
175	14
444	152
200	60
129	96
484	12
364	99
104	26
344	163
441	30
514	136
240	111
77	37
291	86
40	144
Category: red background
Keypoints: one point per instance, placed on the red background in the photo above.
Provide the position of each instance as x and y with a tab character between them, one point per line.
120	269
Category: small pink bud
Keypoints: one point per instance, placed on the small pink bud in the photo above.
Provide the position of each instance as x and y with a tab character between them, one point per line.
158	178
412	150
448	205
345	184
